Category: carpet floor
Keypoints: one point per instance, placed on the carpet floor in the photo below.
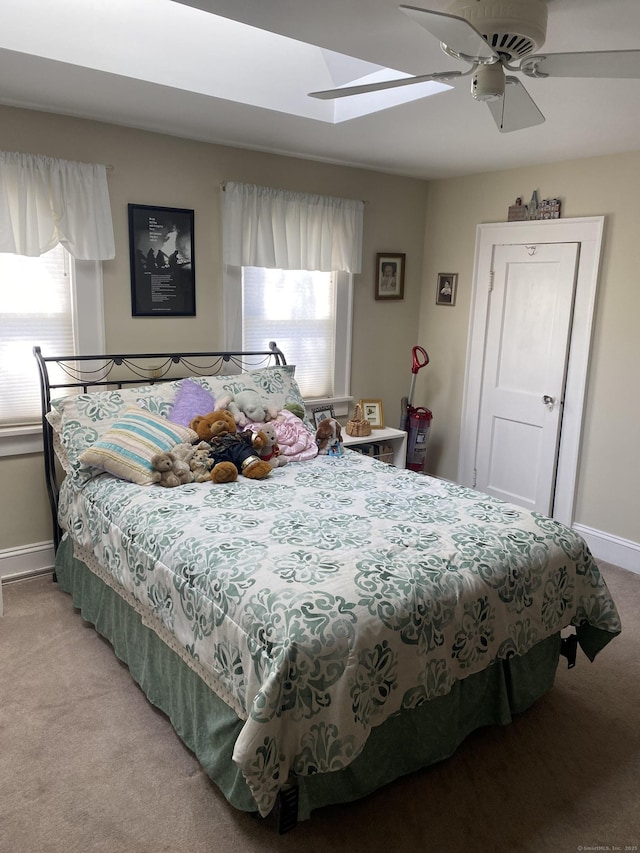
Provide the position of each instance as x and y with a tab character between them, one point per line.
87	764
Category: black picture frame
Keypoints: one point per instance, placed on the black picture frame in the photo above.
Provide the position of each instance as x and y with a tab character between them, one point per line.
321	413
162	259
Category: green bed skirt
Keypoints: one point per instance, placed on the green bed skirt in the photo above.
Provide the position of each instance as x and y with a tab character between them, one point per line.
401	745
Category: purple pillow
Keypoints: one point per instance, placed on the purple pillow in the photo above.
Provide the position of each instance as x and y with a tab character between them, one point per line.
191	400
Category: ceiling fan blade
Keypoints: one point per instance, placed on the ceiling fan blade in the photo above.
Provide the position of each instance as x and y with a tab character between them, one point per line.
346	91
600	63
455	32
516	109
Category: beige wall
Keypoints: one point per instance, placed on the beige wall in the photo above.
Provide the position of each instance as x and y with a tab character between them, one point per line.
163	170
609	470
156	169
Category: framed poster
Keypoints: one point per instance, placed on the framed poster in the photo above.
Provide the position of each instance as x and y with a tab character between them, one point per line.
389	276
163	282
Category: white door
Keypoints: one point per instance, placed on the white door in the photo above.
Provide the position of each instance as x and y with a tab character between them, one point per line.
525	366
587	233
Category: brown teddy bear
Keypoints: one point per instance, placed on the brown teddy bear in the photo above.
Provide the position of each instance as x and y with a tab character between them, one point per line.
233	453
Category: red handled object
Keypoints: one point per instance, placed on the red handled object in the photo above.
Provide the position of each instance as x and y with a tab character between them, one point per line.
419	425
419	359
416	421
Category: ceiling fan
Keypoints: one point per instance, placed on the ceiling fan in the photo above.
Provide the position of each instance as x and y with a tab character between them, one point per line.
492	36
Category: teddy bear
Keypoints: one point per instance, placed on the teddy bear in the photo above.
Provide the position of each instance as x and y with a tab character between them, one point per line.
233	453
248	405
171	470
271	451
201	462
183	452
329	438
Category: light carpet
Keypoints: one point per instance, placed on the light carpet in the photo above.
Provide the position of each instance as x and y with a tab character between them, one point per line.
87	764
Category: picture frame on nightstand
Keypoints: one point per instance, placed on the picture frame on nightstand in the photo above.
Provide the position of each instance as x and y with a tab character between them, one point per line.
372	412
321	413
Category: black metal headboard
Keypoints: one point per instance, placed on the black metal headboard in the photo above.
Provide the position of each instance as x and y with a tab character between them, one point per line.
96	372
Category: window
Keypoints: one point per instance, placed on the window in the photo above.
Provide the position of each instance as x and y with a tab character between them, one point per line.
36	297
308	314
51	301
268	230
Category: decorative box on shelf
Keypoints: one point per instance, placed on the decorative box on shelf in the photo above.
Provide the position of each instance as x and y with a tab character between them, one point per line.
388	444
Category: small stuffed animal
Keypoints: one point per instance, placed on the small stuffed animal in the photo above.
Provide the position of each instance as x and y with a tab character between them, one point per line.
233	453
171	470
329	438
201	462
183	452
271	451
248	406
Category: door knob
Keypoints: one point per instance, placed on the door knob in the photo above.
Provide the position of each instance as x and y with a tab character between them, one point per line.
548	401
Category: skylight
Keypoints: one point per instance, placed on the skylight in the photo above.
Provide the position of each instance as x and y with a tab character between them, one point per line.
174	45
348	71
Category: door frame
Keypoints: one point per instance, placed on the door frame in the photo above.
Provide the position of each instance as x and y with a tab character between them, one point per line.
589	233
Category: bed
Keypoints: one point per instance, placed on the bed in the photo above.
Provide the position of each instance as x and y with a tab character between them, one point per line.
317	634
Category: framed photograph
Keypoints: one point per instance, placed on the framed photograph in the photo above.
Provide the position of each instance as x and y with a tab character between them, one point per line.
163	282
447	286
321	414
390	276
372	412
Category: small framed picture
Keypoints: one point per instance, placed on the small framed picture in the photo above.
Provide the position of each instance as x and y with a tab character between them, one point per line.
447	286
390	276
372	412
321	414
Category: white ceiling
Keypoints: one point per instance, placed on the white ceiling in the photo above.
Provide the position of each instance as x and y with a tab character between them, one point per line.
172	67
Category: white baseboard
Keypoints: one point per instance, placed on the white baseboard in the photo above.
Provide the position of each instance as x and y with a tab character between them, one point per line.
17	563
610	548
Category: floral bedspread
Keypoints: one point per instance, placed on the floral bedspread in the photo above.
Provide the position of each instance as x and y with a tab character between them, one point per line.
337	592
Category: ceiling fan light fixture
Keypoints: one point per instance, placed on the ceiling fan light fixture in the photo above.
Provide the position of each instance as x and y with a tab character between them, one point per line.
493	37
487	84
513	28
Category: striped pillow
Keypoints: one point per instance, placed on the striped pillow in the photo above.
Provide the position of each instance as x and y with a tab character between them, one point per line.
126	449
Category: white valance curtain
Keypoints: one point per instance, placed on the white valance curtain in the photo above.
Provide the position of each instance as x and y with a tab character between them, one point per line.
277	229
44	201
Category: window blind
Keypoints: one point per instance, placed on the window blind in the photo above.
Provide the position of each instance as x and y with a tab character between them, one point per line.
297	309
36	308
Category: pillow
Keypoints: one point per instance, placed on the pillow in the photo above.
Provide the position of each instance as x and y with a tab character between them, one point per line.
79	420
276	384
126	449
191	400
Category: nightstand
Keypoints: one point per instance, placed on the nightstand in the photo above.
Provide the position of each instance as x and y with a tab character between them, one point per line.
394	438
